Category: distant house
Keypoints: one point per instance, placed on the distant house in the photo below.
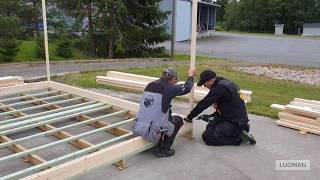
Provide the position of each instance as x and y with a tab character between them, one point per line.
311	29
206	21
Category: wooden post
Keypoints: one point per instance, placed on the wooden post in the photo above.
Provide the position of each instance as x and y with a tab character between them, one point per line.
193	49
173	29
45	33
193	46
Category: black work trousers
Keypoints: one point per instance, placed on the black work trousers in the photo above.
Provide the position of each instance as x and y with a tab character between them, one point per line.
166	141
219	133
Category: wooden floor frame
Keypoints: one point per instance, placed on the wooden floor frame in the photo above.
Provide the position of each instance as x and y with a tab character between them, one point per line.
83	162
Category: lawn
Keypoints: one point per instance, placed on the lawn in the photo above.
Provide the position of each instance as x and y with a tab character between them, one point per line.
265	91
27	52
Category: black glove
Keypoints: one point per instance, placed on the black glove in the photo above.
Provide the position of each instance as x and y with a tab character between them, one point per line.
206	117
187	119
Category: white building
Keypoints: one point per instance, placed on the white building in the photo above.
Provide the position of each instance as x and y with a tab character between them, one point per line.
311	29
206	21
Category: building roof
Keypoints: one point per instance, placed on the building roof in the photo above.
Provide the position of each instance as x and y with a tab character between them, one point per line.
209	2
311	25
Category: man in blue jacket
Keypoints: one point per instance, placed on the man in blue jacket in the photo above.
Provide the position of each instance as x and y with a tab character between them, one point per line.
154	121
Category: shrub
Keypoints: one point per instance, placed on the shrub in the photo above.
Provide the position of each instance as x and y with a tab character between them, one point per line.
9	49
39	49
64	47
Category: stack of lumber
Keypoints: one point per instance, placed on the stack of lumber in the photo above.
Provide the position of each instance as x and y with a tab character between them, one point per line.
10	81
301	114
139	82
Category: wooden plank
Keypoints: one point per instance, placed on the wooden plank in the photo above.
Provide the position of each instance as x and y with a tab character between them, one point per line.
10	81
148	79
98	124
4	91
290	125
103	157
302	104
303	110
32	159
301	124
299	118
96	96
138	82
277	106
187	128
306	101
80	143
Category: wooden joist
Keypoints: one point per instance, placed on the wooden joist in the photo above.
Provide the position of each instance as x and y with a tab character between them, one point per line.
301	114
111	151
139	82
10	81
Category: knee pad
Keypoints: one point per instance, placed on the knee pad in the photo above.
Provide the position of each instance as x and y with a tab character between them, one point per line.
177	121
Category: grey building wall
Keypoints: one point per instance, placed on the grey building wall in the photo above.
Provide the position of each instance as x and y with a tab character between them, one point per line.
183	17
311	29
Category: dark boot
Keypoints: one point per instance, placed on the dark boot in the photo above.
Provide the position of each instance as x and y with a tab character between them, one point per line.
161	152
247	137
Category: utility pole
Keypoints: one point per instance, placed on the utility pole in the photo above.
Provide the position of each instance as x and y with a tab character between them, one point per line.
173	29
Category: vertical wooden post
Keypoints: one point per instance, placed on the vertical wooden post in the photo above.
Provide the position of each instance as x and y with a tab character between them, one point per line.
193	46
45	33
173	29
193	51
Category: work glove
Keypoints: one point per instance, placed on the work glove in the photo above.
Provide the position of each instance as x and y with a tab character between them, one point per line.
206	117
187	119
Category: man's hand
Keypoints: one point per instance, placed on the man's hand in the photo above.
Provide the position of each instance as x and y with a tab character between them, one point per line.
187	119
207	117
192	72
204	117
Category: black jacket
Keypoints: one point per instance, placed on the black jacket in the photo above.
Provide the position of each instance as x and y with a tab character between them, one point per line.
224	94
168	91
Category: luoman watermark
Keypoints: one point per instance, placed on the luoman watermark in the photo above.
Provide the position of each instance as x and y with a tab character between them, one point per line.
295	165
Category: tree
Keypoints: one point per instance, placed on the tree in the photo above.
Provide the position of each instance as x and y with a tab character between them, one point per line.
121	27
10	27
260	15
81	10
221	9
133	26
64	47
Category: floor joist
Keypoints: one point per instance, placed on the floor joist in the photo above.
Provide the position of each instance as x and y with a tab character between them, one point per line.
79	109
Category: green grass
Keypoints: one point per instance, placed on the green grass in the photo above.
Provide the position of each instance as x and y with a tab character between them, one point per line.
184	57
27	52
265	91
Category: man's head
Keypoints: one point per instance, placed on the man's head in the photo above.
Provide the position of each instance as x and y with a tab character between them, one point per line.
207	78
170	75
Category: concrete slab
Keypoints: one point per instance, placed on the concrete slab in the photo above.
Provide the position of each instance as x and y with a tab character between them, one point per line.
195	160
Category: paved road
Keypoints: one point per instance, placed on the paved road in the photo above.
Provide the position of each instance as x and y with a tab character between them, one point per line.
195	160
257	49
38	70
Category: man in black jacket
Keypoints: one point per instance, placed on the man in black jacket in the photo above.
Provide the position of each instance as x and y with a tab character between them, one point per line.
154	121
228	125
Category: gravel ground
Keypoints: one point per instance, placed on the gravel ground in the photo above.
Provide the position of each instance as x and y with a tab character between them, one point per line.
303	76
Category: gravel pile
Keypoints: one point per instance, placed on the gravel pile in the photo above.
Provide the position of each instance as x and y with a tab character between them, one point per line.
303	76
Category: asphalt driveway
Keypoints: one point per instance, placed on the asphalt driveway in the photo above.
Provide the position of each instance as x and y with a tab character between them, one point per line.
257	49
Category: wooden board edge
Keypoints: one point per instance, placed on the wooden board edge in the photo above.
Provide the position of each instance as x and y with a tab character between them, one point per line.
95	96
105	156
